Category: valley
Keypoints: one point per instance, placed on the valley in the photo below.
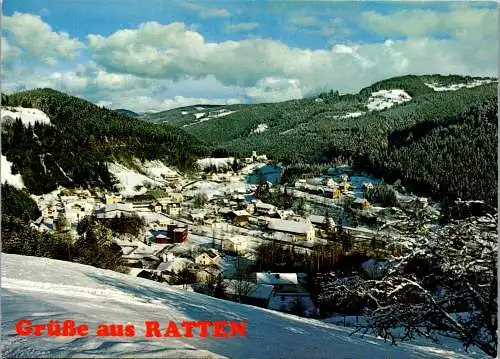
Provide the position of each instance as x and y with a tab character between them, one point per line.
303	207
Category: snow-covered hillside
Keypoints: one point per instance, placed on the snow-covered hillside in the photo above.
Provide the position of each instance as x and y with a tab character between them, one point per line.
27	115
383	99
217	162
7	176
41	289
454	87
129	179
349	115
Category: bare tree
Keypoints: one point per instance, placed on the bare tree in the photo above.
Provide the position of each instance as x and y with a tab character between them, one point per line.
241	285
446	285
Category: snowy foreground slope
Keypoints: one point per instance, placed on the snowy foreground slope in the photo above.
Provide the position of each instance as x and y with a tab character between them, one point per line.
41	289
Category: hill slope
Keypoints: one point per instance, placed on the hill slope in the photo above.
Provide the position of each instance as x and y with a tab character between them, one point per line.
72	150
41	289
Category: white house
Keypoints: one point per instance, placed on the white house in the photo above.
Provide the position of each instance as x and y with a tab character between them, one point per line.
210	257
330	183
112	198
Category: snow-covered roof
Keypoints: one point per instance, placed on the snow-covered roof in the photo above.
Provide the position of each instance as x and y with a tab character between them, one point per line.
174	265
289	226
128	207
212	254
317	219
241	213
277	278
262	205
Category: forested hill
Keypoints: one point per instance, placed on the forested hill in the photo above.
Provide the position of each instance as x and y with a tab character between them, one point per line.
82	137
441	141
126	112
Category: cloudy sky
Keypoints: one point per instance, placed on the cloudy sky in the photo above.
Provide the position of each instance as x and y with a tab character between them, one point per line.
151	55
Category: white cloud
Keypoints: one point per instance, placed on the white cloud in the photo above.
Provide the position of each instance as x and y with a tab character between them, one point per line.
303	20
272	89
461	21
156	66
8	52
205	12
243	26
173	52
37	39
115	90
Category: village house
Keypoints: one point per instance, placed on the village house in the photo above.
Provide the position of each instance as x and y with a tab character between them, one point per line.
112	198
240	217
157	207
320	221
299	230
173	265
114	210
360	203
234	245
179	235
333	192
276	279
265	208
173	233
286	291
330	183
174	209
209	258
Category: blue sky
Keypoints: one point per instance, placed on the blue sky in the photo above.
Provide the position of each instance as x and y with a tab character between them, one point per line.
151	55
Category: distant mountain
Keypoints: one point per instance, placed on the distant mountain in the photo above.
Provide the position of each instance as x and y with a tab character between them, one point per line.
413	128
187	115
73	149
127	112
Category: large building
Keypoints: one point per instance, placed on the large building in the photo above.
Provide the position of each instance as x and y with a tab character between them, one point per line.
299	230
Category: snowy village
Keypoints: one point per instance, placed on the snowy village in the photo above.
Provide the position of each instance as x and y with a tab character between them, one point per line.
209	228
249	179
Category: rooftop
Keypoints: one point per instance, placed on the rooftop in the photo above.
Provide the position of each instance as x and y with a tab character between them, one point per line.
289	226
276	278
263	205
317	219
241	213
